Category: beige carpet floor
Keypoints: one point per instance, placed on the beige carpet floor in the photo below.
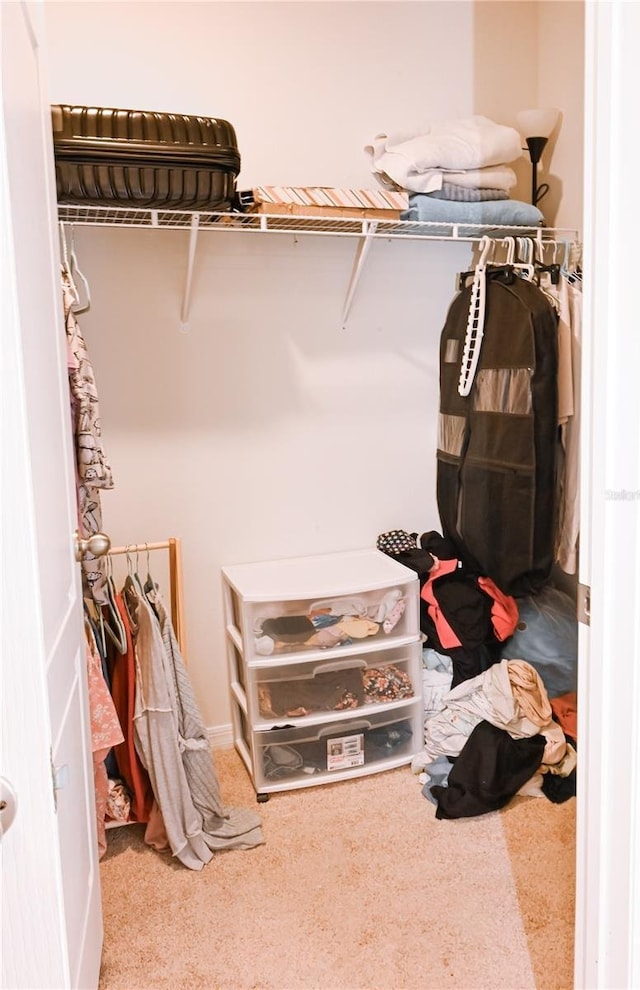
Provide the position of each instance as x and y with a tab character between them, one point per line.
357	887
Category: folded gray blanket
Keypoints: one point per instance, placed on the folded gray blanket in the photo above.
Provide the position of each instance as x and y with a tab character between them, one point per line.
492	213
462	194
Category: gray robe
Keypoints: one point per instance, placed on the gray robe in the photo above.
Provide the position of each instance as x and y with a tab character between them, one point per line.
172	743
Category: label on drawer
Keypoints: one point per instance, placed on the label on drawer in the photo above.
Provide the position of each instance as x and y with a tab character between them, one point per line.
345	752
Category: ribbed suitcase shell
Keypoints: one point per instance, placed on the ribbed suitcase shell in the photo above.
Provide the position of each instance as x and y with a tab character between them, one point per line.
137	158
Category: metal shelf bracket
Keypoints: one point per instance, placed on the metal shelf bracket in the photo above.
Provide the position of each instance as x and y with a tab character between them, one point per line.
191	257
362	250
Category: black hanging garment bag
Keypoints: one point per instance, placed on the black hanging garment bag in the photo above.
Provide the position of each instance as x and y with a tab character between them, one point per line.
498	445
144	159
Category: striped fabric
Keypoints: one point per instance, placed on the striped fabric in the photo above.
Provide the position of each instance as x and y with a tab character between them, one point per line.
378	199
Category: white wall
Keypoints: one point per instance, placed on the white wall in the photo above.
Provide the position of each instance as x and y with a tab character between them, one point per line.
505	70
534	50
269	430
560	84
306	85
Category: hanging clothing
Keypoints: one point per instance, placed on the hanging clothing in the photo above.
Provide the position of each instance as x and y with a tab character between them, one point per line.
93	471
172	743
122	675
105	732
569	510
498	446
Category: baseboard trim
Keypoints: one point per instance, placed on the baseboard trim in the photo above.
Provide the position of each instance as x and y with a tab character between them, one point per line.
220	736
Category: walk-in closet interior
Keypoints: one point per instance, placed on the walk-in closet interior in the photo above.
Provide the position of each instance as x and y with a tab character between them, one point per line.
265	425
271	395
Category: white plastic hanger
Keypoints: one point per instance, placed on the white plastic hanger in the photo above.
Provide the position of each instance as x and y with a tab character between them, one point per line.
475	320
525	268
76	273
64	257
510	244
73	272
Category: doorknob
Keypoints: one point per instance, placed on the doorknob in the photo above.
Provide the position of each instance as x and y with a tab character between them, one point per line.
8	805
98	545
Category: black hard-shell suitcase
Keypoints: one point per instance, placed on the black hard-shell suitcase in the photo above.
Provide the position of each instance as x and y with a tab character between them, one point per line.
143	159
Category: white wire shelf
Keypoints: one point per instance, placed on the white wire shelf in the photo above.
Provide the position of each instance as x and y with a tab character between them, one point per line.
364	229
114	216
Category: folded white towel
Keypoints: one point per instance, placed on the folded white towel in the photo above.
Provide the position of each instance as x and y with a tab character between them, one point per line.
417	163
483	178
496	177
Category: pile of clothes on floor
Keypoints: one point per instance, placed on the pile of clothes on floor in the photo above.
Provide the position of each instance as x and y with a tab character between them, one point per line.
500	680
455	171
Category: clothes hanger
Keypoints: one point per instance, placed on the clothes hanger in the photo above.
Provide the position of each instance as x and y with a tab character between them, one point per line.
511	266
130	592
75	271
475	320
136	575
510	244
488	249
526	252
113	624
72	270
93	618
572	275
64	258
149	585
540	271
553	269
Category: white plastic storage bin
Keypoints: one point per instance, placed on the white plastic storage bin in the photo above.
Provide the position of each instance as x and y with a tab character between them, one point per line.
359	599
292	679
346	683
334	750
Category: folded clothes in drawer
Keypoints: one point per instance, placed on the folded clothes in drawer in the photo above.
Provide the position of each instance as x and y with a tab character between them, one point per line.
296	690
326	624
367	741
349	601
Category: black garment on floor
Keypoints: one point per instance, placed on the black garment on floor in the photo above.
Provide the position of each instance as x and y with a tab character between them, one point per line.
560	789
470	663
490	769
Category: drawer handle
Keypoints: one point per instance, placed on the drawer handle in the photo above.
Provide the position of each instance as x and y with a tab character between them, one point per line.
325	668
343	728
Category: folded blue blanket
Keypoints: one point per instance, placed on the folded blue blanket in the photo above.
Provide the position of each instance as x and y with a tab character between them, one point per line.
492	213
466	194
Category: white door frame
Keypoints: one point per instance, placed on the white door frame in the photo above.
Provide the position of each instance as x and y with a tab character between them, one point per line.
607	951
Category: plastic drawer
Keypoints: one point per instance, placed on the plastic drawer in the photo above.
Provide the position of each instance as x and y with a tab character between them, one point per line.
326	684
356	600
333	750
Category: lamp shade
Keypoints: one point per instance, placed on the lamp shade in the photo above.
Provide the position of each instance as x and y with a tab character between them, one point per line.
537	123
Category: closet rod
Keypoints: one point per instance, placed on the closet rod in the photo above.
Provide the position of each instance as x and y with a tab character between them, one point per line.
142	547
175	581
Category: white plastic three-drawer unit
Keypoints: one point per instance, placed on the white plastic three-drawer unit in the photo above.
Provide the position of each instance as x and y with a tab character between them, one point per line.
325	667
